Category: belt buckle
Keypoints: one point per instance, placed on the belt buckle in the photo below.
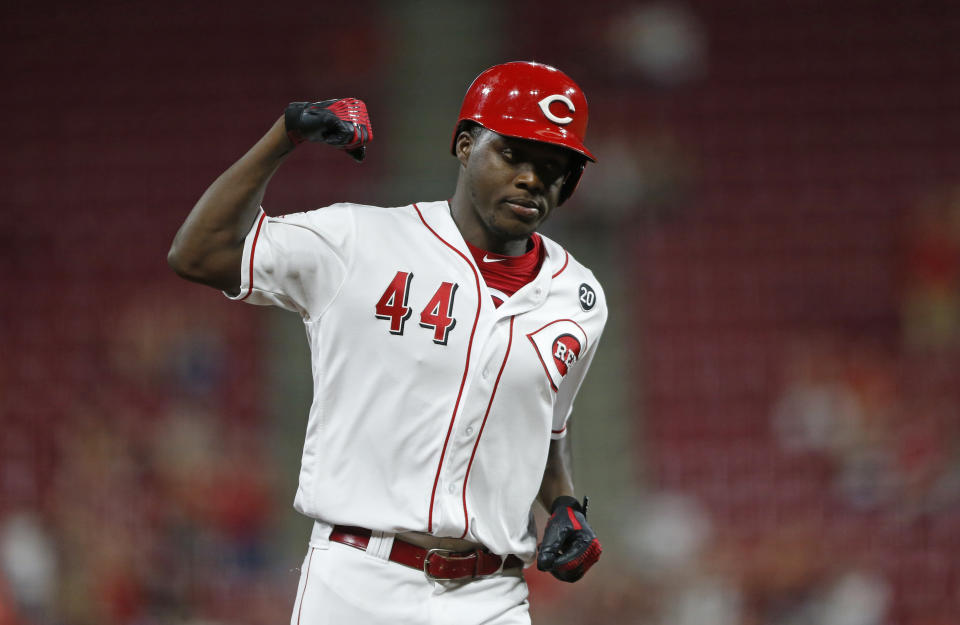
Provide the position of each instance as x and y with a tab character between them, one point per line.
449	555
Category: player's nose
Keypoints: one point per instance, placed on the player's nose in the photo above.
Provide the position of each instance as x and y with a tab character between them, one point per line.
528	179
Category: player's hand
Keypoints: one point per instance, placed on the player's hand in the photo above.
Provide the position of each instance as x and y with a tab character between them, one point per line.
570	546
342	123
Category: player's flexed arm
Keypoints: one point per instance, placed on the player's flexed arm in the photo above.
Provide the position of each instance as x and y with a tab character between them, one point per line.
208	247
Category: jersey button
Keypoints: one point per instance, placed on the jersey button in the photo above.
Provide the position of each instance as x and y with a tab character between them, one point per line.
469	430
452	488
485	373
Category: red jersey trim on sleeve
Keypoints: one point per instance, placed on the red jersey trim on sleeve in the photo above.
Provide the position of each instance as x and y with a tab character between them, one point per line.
253	250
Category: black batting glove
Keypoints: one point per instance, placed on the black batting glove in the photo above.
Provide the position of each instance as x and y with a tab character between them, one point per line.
570	546
342	123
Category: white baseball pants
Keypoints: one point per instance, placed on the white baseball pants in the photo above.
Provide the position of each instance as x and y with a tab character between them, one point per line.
342	585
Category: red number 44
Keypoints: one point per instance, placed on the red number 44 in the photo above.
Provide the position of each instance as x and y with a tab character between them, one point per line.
436	315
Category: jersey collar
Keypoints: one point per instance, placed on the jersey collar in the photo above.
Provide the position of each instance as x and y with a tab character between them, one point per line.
532	294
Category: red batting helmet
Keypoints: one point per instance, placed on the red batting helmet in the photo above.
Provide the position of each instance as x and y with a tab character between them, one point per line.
530	101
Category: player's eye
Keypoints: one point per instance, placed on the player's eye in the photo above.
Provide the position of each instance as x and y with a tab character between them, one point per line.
553	171
507	154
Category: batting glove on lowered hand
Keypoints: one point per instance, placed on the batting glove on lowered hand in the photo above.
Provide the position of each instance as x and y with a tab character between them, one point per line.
570	546
342	123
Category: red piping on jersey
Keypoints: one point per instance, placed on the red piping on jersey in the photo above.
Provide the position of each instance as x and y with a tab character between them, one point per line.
496	383
253	249
534	343
305	580
466	366
566	259
560	431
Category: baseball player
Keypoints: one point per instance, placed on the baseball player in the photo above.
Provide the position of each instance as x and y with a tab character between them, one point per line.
448	341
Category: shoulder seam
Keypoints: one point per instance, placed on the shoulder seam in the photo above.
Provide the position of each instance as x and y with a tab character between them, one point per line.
347	269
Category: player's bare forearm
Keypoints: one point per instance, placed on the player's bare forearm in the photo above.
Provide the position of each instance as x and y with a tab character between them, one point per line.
208	248
569	546
558	475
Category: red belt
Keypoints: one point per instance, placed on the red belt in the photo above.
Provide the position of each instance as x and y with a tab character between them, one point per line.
437	564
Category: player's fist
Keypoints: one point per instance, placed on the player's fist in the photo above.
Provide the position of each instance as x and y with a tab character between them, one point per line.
342	123
569	546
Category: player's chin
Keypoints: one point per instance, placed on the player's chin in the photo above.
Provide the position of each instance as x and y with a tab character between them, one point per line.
519	223
513	229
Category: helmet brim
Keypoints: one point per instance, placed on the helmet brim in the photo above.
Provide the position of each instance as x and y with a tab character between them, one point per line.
529	131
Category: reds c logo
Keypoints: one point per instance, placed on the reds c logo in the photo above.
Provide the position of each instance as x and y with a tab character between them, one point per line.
566	350
550	99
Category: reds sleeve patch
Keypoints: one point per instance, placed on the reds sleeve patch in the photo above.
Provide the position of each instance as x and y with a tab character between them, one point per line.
559	345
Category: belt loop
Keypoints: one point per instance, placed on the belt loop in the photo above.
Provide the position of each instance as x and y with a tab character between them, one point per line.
380	545
320	535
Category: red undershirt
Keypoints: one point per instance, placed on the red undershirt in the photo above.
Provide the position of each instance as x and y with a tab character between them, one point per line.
505	275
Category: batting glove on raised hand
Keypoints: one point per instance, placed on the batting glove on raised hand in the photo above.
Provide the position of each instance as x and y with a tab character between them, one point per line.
570	546
342	123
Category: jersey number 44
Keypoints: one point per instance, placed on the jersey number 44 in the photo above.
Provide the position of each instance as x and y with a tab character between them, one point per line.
437	315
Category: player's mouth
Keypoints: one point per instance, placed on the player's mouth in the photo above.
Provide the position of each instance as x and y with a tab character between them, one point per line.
524	208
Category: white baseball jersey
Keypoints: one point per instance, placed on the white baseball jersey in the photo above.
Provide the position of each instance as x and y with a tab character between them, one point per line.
433	410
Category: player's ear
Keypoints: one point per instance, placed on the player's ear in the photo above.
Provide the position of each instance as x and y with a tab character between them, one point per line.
463	146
